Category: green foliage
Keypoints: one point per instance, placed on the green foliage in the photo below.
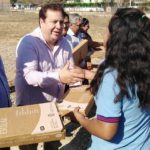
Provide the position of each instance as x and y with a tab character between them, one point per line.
77	1
51	1
13	1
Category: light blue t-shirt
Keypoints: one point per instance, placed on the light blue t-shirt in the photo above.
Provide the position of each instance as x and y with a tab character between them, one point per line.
134	124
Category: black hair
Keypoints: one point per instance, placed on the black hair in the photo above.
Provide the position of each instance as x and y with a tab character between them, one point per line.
50	6
128	51
84	22
66	15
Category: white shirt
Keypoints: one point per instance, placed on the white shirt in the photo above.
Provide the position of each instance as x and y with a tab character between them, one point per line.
72	38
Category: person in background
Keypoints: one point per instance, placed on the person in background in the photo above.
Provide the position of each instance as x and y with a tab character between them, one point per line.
44	62
74	27
83	34
66	24
122	86
4	92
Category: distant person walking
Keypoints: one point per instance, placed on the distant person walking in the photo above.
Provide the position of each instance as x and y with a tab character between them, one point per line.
66	24
83	34
122	86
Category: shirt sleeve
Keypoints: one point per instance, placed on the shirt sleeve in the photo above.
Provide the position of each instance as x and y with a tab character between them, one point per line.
4	88
27	63
107	109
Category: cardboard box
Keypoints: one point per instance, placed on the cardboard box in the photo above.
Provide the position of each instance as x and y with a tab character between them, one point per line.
80	52
76	96
30	124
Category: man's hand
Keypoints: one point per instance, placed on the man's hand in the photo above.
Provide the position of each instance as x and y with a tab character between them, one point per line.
73	75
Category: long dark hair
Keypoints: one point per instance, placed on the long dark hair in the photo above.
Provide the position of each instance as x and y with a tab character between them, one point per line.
128	51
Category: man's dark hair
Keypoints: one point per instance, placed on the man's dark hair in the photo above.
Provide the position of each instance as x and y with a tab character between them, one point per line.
54	7
84	22
66	15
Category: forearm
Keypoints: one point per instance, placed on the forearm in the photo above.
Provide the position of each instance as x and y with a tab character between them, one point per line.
42	79
99	128
89	74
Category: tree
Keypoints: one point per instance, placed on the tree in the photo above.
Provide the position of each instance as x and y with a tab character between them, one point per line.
13	1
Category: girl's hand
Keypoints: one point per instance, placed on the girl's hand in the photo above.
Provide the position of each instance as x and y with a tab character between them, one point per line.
78	115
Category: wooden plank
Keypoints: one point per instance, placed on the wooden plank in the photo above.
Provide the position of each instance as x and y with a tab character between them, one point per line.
80	52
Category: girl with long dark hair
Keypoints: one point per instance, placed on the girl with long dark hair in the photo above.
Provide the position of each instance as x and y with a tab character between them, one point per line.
122	86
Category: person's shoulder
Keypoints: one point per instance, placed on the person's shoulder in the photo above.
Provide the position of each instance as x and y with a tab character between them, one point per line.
26	39
30	37
65	42
68	37
110	73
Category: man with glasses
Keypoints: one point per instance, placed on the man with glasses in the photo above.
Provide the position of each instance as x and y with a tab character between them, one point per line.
66	24
75	22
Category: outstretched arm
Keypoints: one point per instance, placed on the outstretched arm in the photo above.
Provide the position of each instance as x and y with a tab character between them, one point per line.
72	75
96	127
108	113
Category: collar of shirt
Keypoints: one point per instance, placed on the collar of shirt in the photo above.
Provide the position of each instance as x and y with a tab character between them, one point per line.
37	33
70	32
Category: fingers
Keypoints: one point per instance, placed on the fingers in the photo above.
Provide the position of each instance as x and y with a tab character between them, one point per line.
78	115
73	75
77	109
67	66
75	80
79	73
